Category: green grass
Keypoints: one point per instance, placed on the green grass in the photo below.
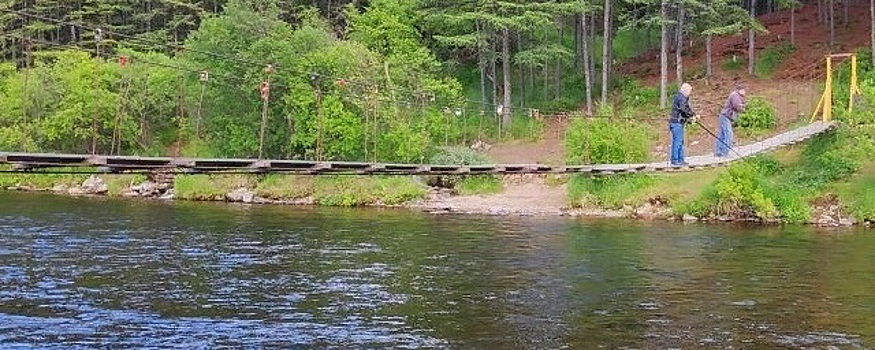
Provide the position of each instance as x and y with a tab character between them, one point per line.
351	191
771	57
43	181
209	187
477	185
117	184
734	64
285	187
858	194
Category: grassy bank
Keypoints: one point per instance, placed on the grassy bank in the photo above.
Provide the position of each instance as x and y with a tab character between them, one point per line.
791	185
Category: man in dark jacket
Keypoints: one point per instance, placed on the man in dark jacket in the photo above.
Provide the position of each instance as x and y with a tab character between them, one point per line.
728	117
681	114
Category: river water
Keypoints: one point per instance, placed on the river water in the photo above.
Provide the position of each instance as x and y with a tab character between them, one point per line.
97	273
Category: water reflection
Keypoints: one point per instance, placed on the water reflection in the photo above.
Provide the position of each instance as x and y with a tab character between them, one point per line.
92	272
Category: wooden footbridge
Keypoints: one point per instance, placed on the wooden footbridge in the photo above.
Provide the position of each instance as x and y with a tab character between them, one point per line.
30	162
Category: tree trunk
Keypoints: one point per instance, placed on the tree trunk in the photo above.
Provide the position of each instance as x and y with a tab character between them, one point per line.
820	12
587	77
606	52
679	49
708	68
494	76
558	91
505	66
592	35
832	25
576	41
519	47
845	3
793	25
663	55
482	57
750	39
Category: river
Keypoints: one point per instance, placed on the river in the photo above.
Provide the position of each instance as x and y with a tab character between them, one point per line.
93	273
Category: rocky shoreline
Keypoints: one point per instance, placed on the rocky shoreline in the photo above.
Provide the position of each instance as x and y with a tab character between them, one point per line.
524	196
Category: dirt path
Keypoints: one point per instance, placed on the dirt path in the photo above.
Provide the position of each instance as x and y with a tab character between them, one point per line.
523	195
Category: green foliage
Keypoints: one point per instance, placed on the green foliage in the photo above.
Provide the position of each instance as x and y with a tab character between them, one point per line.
604	141
609	191
458	156
771	57
860	198
759	114
478	185
636	94
741	191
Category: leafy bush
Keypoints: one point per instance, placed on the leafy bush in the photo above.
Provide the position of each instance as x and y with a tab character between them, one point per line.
604	141
740	191
771	57
458	156
759	114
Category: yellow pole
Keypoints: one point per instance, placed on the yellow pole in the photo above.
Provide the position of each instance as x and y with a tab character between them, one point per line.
854	87
827	102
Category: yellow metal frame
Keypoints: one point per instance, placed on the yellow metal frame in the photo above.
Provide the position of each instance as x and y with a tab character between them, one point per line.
824	107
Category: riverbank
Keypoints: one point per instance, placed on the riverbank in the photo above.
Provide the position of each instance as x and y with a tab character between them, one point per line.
663	197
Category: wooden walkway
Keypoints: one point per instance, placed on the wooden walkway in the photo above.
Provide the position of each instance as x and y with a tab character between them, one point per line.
30	162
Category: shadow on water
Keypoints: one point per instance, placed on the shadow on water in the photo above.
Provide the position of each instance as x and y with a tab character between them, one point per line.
91	272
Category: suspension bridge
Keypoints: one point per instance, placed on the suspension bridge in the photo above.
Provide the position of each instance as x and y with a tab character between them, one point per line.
41	162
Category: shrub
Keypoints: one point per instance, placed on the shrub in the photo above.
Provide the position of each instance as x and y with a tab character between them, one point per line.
604	141
759	114
740	191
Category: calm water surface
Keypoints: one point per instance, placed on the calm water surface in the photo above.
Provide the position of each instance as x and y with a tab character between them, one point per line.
97	273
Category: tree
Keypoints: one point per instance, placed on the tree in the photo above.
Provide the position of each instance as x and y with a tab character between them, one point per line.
607	48
679	45
790	5
872	28
663	55
751	56
721	18
587	77
832	25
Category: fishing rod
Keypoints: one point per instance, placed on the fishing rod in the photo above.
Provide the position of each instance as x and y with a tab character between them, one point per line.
718	139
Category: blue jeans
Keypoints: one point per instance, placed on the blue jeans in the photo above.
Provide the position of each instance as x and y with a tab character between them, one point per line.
677	142
724	138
